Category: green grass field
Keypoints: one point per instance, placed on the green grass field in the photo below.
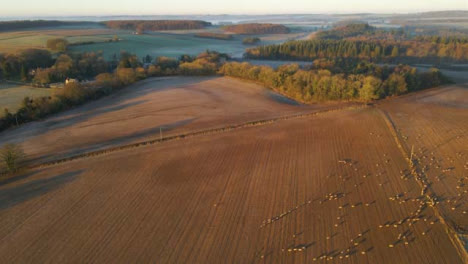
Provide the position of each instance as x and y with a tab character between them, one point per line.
162	44
174	45
13	41
11	95
155	44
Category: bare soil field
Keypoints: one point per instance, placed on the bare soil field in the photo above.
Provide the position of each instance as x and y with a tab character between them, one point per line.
331	187
172	106
338	186
435	124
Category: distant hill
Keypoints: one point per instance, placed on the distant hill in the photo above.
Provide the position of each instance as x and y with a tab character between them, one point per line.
436	14
257	28
156	25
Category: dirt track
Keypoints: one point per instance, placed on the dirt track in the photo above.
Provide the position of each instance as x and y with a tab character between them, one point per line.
333	186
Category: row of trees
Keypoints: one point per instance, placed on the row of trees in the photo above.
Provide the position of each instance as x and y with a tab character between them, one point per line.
30	24
346	31
323	85
257	28
155	25
213	35
418	51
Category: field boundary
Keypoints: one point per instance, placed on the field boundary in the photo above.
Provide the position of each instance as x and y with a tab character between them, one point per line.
450	228
192	134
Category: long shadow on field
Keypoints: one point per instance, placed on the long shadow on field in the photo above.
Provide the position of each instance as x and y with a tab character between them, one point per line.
61	123
17	178
107	104
153	132
281	99
18	194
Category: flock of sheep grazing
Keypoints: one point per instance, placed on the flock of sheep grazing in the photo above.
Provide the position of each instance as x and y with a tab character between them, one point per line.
425	215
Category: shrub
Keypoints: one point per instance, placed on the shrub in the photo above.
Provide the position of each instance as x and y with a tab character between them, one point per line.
73	93
11	156
126	75
198	67
57	44
250	41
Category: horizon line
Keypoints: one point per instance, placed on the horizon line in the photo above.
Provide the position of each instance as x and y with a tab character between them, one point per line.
234	14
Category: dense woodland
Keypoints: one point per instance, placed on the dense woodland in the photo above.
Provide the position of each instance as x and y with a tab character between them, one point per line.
377	51
156	25
257	28
30	24
353	30
363	82
362	41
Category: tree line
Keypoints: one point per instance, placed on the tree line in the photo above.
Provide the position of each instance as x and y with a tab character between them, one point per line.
257	28
365	82
213	35
349	30
30	24
156	25
377	51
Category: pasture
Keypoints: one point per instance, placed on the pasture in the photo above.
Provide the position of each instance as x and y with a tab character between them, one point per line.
17	40
170	44
11	95
290	184
173	45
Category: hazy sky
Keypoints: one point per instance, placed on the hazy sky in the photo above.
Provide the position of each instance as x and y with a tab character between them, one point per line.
155	7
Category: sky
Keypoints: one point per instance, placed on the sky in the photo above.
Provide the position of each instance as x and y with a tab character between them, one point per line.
169	7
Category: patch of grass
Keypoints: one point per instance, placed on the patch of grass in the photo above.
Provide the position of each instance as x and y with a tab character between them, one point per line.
11	95
169	45
13	41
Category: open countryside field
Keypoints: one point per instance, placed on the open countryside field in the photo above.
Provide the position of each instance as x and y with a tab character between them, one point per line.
171	43
434	125
174	45
333	186
11	95
293	191
17	40
174	105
